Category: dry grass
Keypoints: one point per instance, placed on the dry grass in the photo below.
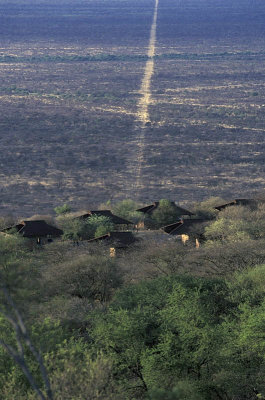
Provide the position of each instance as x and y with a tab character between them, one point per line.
70	131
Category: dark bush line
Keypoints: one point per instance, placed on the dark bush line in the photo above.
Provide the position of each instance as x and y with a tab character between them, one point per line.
76	58
127	57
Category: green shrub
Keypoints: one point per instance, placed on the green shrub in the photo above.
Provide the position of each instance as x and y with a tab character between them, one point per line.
165	214
64	209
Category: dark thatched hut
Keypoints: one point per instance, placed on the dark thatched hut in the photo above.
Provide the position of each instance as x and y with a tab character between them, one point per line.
252	203
118	240
106	213
38	230
152	207
188	229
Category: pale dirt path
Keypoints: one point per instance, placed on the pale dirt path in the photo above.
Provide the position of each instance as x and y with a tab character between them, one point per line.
143	113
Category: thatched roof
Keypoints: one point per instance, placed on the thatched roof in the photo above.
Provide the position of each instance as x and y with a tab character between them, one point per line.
38	228
238	202
117	239
106	213
152	207
186	226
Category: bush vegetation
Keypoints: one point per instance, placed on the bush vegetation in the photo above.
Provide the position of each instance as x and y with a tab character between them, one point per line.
79	229
159	321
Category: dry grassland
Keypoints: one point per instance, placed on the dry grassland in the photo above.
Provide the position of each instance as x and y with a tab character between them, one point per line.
73	110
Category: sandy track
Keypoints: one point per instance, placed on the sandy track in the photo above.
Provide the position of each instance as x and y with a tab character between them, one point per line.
145	89
143	116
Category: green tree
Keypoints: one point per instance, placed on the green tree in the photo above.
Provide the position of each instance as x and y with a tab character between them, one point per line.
225	230
189	337
205	209
165	214
184	390
76	374
73	228
126	209
80	229
242	354
23	367
17	272
256	222
61	210
99	225
248	286
237	223
162	332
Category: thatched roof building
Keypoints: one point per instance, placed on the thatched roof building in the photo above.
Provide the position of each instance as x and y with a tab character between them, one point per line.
106	213
34	229
116	239
190	227
152	207
239	202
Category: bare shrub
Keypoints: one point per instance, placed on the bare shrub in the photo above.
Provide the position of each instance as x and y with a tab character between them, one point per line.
82	378
90	277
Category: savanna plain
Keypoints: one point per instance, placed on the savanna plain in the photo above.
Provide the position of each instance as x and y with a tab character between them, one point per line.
70	80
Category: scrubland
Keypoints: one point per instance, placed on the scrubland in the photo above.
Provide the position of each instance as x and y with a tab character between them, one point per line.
70	81
161	320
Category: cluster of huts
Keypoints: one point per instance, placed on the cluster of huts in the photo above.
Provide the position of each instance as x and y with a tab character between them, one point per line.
186	228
